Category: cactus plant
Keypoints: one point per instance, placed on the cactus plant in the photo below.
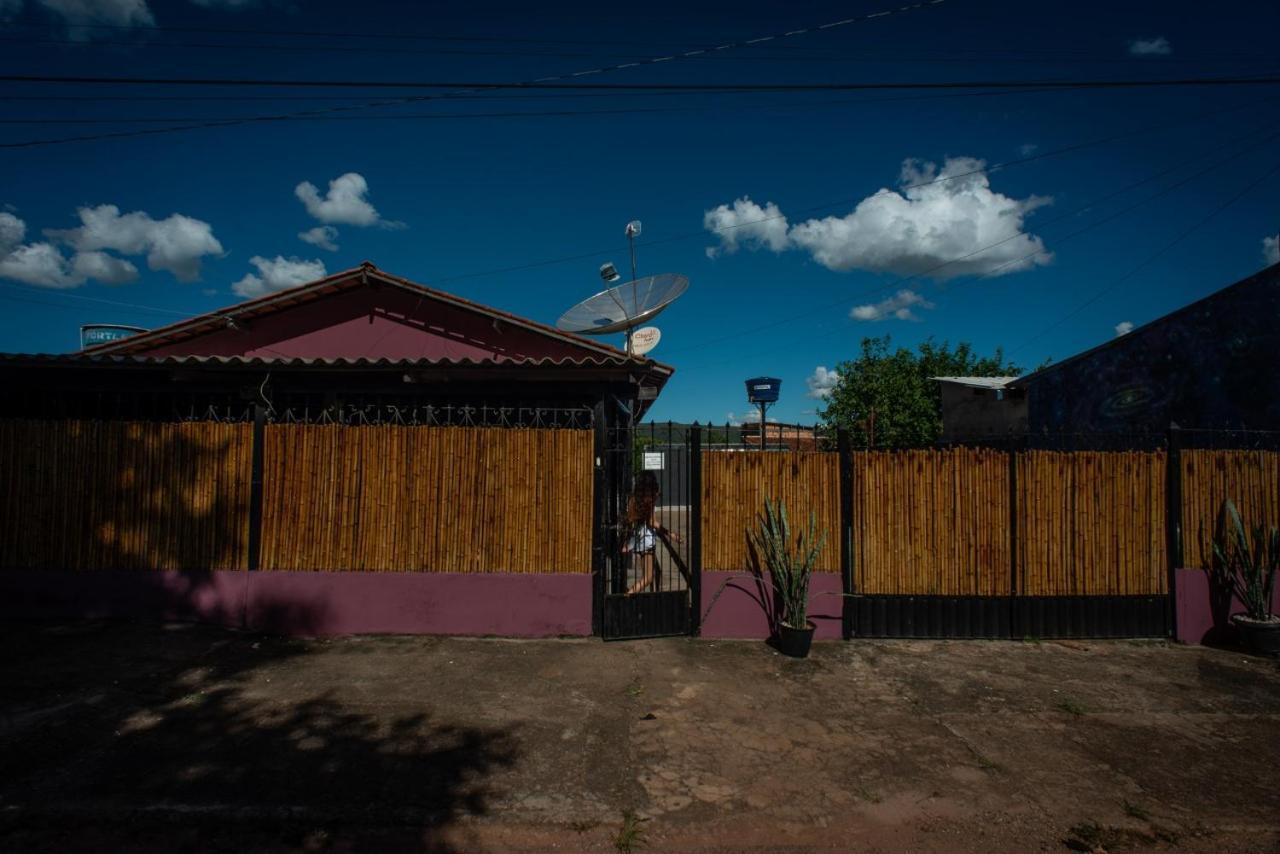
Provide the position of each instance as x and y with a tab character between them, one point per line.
1247	566
790	563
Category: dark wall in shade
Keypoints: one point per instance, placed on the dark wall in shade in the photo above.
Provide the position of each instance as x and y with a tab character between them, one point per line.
1212	364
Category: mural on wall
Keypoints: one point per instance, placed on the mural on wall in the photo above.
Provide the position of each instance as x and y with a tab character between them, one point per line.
1214	364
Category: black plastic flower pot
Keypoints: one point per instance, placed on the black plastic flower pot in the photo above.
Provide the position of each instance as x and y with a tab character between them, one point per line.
795	642
1261	637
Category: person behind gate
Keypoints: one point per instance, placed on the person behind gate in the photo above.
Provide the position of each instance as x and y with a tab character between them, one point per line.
645	530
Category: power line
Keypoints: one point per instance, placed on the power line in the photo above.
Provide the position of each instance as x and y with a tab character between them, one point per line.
1021	259
546	83
98	300
1178	238
604	70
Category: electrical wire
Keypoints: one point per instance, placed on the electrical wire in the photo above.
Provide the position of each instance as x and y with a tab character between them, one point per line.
1149	259
1272	134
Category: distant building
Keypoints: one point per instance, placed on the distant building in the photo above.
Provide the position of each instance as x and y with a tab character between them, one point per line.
1213	364
981	407
793	437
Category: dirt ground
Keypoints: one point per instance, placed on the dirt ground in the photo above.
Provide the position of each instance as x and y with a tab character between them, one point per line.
120	737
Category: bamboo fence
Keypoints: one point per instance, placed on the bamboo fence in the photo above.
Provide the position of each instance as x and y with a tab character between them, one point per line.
427	499
1091	523
1249	478
124	495
735	485
931	522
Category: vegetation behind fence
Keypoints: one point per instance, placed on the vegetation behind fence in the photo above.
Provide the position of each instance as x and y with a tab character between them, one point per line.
435	499
124	495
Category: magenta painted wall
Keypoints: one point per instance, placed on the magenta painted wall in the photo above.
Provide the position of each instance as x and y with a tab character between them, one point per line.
312	603
1203	615
737	613
373	323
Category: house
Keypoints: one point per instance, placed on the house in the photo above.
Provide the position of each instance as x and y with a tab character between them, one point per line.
981	407
357	454
338	345
1213	364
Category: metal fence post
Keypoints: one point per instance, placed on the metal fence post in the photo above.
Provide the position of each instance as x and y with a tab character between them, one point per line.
1173	522
845	454
1015	622
255	486
600	488
695	529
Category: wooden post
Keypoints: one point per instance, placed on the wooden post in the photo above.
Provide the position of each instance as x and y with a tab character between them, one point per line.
1173	521
845	454
255	487
695	529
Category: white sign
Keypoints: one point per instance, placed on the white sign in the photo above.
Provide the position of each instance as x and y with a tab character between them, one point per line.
644	340
652	461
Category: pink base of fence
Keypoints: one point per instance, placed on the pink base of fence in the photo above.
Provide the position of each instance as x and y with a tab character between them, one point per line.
1203	613
312	603
739	614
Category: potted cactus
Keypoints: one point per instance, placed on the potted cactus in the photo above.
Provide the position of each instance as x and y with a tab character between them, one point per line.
790	564
1247	566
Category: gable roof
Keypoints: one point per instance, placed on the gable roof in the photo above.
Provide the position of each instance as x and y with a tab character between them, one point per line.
593	352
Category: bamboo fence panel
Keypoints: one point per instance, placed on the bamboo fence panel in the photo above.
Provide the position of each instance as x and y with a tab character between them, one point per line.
1091	523
124	495
1249	478
931	522
735	485
427	499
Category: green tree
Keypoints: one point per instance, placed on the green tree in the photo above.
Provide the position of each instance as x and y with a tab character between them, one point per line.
889	392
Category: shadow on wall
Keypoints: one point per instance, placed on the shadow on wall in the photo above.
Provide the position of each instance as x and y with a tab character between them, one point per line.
218	741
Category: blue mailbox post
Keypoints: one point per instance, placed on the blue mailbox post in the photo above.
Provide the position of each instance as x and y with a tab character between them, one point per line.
763	392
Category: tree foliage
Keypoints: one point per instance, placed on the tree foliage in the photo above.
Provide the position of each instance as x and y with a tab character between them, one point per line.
891	390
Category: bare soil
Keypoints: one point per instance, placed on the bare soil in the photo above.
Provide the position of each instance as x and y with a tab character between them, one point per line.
183	738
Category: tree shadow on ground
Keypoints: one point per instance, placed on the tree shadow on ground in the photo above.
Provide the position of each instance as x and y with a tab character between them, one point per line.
119	736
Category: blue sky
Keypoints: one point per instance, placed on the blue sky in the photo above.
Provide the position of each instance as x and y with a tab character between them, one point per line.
810	253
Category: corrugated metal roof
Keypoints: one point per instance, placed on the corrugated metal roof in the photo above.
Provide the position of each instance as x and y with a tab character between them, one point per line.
977	382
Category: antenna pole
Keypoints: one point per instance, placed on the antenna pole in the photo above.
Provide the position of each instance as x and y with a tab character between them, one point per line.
631	242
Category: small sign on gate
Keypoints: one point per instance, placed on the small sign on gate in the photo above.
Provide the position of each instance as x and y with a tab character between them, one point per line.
653	461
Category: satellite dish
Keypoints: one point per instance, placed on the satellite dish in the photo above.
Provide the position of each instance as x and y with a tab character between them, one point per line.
624	307
644	340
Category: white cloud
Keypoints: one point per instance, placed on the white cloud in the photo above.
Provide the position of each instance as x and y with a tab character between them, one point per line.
1124	327
41	264
1157	46
115	13
277	274
821	382
898	306
747	224
751	416
344	204
12	230
176	243
941	216
322	236
103	267
1271	250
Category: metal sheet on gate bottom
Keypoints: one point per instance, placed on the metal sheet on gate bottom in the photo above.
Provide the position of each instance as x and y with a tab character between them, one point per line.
646	615
1005	617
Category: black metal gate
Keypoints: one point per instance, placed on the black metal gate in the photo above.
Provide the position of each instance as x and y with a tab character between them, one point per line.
647	570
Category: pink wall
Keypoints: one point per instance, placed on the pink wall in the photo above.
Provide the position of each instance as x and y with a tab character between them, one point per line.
737	613
312	603
373	323
1203	613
